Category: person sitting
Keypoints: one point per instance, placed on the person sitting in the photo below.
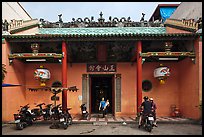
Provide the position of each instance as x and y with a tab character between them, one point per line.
154	107
146	109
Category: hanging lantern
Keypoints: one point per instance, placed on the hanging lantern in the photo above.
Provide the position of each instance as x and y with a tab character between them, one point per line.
162	73
42	74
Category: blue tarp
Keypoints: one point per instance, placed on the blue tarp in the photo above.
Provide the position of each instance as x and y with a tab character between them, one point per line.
9	85
166	12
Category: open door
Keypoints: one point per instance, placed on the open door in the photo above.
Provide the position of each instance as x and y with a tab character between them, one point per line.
101	86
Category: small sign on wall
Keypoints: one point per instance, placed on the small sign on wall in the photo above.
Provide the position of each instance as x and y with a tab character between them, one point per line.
80	97
55	98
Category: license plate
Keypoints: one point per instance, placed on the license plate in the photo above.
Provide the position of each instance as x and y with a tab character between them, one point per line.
17	121
84	111
61	119
150	118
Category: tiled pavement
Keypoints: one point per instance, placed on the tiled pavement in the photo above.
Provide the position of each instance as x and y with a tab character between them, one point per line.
122	119
129	119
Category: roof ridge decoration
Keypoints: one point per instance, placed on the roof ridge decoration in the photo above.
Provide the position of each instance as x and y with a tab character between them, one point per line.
14	25
89	22
191	23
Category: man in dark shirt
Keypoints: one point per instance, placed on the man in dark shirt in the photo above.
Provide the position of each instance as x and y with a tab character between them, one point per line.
146	107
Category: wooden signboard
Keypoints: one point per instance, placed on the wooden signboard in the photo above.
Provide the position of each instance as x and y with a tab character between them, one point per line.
101	67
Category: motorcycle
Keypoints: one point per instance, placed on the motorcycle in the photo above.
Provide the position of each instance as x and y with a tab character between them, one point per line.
68	116
37	113
147	122
65	118
47	112
84	112
23	118
55	116
61	117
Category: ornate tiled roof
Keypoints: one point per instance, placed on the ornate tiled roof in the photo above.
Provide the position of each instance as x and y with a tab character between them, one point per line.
104	31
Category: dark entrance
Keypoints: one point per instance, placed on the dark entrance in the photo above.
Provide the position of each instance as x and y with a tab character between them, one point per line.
101	86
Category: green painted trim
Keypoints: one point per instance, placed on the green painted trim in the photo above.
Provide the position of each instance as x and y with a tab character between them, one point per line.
3	40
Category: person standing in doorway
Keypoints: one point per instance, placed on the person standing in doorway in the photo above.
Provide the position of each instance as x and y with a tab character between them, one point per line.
107	104
101	106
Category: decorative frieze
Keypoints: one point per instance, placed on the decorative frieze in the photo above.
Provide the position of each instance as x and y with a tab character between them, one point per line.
191	23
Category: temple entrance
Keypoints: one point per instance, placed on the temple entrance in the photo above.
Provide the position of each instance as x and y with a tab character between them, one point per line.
101	86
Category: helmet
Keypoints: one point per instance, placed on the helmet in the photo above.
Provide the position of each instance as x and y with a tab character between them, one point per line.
145	97
151	99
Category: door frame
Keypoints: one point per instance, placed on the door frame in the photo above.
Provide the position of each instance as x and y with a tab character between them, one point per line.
113	91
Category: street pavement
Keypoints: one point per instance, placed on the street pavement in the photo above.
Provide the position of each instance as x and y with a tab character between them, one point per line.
104	129
109	126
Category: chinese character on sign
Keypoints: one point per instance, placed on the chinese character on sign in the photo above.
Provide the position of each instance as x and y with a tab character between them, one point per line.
91	68
98	68
112	68
105	68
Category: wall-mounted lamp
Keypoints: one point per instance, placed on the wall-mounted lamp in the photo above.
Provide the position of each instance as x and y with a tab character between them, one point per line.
10	61
30	60
168	58
193	59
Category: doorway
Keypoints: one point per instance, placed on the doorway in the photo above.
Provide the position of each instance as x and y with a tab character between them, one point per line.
101	86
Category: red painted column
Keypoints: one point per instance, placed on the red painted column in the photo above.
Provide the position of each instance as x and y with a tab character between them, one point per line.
139	75
64	75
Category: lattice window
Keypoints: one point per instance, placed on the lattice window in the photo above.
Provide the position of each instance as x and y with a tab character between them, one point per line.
84	88
118	93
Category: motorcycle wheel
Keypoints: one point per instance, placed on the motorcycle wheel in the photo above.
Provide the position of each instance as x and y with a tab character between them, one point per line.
45	117
65	125
30	121
19	126
69	121
149	128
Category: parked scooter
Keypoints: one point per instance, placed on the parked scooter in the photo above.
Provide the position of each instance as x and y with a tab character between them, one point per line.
65	118
55	116
84	112
67	115
23	118
61	118
147	122
47	112
37	113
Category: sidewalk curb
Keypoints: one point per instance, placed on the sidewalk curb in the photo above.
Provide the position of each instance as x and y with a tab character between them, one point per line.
113	122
